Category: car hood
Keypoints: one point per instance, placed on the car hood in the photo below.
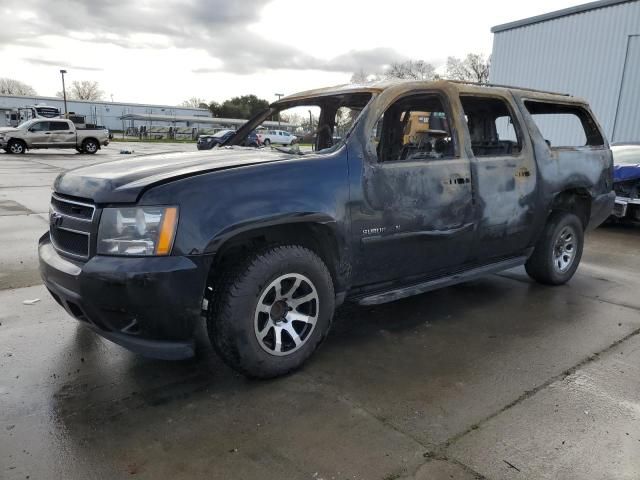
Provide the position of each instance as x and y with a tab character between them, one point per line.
625	173
122	181
8	130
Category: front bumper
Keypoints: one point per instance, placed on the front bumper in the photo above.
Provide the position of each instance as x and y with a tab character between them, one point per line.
627	207
3	143
148	305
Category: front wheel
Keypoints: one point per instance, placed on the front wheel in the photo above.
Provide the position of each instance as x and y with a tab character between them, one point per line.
267	142
557	254
270	314
16	147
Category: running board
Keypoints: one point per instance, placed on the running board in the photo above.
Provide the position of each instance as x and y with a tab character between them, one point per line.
403	292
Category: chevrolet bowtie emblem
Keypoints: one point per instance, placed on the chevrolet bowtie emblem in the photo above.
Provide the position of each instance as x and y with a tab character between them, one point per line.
55	219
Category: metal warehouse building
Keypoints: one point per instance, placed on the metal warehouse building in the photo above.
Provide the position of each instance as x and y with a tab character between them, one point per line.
591	51
104	113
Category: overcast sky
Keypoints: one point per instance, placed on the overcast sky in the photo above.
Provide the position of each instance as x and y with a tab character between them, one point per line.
164	51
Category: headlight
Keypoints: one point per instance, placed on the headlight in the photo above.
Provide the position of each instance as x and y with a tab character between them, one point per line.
137	230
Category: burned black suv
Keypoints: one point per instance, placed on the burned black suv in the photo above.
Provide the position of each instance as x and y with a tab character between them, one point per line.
431	184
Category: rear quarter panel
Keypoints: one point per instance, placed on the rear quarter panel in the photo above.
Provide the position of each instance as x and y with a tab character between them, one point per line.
587	168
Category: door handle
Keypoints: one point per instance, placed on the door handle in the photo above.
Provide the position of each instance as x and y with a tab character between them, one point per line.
47	133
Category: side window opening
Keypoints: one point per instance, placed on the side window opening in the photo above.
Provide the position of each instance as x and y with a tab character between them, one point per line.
492	128
565	126
40	127
58	126
414	128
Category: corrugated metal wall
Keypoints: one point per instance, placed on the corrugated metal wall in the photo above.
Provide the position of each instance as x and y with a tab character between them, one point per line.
582	54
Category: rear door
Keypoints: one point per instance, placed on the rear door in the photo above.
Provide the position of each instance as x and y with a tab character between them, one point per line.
504	172
62	133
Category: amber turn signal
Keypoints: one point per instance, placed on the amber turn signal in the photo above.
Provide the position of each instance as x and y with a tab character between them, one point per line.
167	231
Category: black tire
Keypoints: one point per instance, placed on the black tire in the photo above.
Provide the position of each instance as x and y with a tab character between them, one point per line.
16	147
90	146
557	254
267	142
236	310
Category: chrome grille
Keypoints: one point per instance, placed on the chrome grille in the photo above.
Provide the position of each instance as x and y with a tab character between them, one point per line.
71	226
70	208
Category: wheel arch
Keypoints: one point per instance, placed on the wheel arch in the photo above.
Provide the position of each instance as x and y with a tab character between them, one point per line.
315	232
19	140
576	200
91	138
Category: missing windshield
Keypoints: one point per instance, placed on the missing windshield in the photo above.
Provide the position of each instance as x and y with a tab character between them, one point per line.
306	124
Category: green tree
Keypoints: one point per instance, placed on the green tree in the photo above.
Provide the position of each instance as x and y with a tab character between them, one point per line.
244	107
215	108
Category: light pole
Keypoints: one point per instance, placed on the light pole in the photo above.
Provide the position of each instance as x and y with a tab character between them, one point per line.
64	93
311	130
279	95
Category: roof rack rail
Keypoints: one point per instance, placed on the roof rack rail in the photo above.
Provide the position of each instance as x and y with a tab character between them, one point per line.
465	82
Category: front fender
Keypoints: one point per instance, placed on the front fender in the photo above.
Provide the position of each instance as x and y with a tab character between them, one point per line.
217	205
281	220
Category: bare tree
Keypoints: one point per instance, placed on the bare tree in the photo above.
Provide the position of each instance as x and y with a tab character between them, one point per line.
362	76
292	118
473	68
84	90
412	70
9	86
195	102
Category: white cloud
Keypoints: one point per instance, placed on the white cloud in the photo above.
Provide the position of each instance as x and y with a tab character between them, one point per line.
150	51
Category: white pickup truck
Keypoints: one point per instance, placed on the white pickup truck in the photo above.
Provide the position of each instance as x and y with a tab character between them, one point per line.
52	133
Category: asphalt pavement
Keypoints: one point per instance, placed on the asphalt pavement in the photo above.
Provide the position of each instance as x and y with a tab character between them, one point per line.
499	378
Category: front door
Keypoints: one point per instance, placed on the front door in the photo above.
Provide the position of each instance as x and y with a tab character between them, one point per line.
417	215
39	133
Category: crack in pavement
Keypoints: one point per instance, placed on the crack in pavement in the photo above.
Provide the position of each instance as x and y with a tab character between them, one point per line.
530	393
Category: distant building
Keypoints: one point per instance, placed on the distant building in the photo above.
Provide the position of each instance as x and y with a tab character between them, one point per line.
591	51
156	120
103	113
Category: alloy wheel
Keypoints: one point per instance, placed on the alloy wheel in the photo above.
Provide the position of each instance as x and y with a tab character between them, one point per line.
286	314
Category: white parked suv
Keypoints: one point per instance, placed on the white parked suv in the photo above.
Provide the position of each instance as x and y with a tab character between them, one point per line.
279	137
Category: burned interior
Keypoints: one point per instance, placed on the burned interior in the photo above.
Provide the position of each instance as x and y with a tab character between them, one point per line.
414	128
492	129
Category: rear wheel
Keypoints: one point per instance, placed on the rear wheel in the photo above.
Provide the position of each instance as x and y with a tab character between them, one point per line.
270	314
557	254
16	147
267	142
90	146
